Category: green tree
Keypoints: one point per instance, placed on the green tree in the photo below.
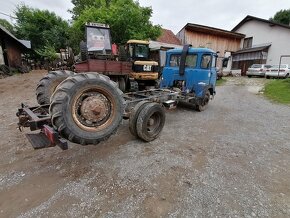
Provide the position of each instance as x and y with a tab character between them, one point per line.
41	27
282	16
80	5
127	20
7	25
48	53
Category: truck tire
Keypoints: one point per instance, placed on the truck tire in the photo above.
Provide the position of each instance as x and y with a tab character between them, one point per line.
48	84
204	102
150	122
5	69
87	108
134	116
122	84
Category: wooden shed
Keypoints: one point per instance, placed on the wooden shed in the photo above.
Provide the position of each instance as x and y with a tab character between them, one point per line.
11	49
216	39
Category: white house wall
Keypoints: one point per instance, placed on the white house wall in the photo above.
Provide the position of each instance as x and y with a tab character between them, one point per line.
262	33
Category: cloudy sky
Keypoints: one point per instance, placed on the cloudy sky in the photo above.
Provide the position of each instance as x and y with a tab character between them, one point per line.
174	15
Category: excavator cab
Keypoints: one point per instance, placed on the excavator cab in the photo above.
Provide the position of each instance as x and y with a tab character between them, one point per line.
145	71
138	50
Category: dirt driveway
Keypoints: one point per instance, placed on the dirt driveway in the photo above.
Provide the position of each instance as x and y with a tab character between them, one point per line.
232	160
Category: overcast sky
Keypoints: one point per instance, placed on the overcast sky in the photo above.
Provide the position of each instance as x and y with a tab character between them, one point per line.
174	15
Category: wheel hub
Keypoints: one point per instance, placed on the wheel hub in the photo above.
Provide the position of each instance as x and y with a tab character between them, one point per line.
95	108
153	122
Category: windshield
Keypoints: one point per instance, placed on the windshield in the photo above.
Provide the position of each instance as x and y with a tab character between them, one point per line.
256	66
98	39
281	66
141	51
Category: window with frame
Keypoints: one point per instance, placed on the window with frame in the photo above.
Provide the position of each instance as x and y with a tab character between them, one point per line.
205	61
248	42
191	60
225	62
174	60
213	63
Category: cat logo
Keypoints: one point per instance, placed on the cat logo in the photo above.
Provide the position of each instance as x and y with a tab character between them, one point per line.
147	67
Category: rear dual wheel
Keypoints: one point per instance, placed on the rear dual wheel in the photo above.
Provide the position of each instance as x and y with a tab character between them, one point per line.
134	116
147	120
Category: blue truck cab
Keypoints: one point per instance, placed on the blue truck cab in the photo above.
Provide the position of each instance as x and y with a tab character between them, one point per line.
192	71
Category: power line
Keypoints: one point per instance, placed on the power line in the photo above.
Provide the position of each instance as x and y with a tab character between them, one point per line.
8	15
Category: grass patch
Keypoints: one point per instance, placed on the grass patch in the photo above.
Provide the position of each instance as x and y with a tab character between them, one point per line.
220	82
278	90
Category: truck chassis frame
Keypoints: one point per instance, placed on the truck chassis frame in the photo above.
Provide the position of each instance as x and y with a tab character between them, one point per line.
38	117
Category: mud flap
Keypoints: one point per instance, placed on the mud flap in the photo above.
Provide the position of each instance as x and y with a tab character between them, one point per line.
46	138
38	140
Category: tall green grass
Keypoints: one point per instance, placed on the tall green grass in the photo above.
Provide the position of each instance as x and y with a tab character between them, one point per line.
278	90
220	82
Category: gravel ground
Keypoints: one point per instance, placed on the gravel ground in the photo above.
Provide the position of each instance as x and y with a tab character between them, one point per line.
231	160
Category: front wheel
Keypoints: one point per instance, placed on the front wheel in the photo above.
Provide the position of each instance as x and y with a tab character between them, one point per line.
87	108
203	104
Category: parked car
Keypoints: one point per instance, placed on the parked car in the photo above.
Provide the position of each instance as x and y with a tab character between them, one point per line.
257	70
274	71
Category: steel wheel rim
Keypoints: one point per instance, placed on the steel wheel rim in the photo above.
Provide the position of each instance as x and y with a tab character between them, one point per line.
90	117
153	123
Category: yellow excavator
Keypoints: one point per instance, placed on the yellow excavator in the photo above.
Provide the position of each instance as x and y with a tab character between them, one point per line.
144	71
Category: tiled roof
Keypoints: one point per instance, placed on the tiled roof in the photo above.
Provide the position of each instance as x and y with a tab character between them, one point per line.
168	36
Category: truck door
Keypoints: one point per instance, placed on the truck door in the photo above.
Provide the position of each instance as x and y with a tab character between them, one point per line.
213	73
171	70
203	74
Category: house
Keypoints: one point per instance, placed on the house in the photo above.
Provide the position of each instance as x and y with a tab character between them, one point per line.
167	40
219	40
11	49
265	41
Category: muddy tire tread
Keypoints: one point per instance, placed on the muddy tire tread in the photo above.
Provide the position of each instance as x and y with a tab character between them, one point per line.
143	115
43	88
134	116
62	94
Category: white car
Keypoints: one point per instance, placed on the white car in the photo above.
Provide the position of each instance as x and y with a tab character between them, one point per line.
274	71
257	70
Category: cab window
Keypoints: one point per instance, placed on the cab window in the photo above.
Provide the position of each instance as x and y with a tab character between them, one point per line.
141	51
205	61
191	61
213	63
131	48
174	60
